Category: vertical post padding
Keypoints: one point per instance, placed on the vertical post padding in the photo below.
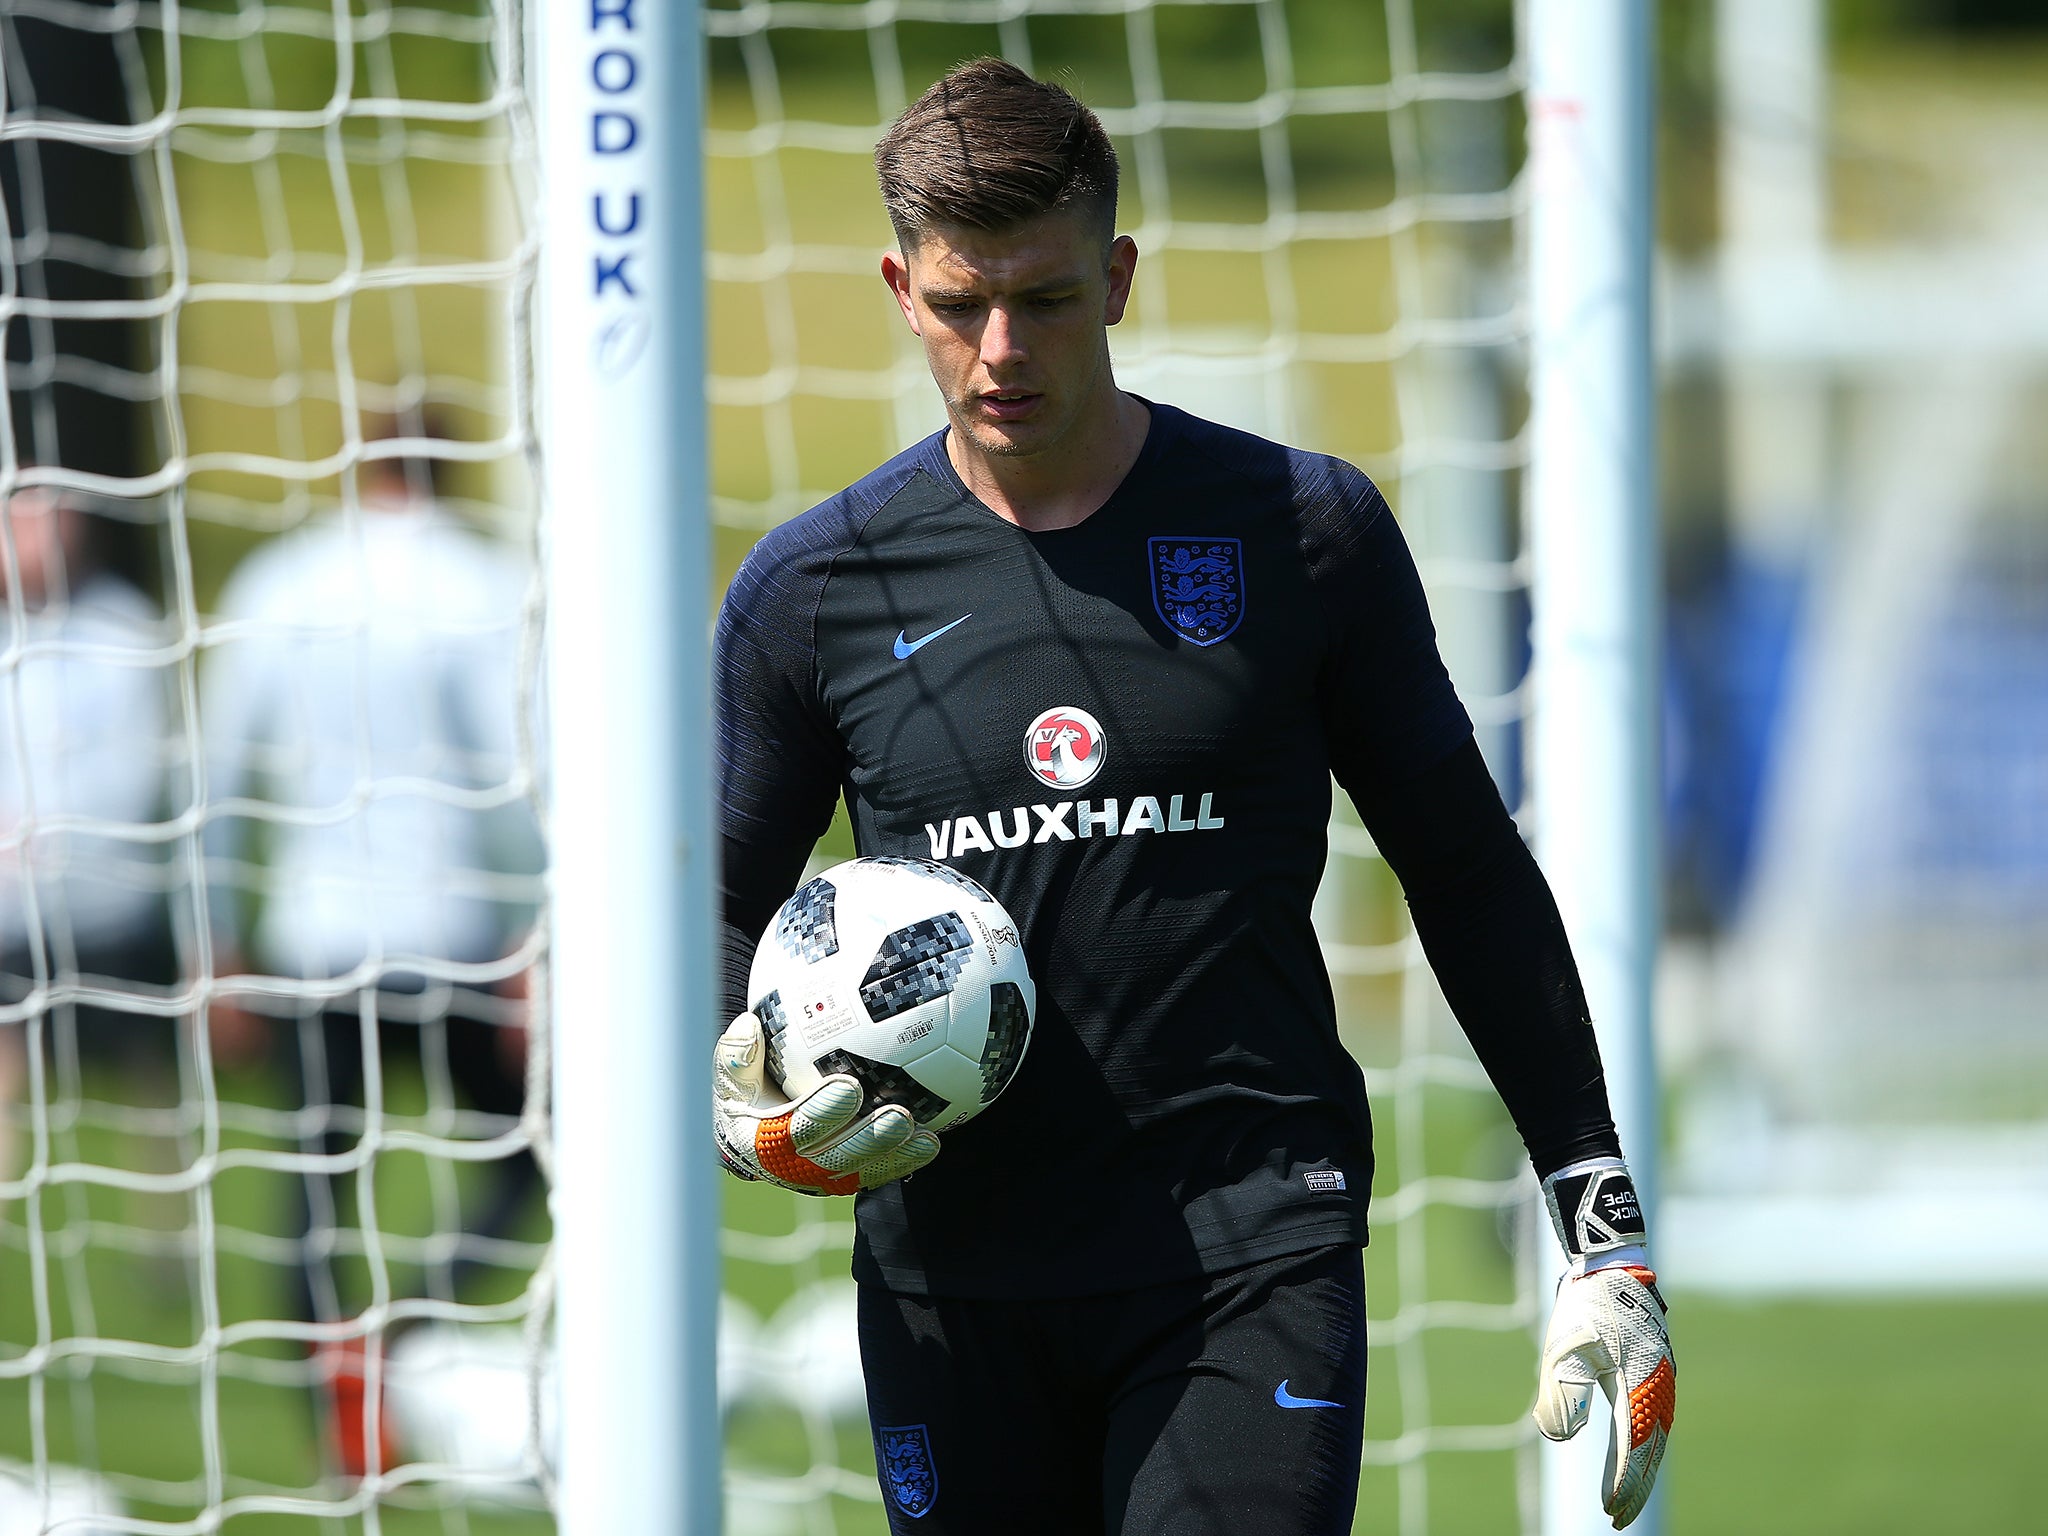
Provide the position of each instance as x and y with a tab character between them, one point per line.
1592	534
627	546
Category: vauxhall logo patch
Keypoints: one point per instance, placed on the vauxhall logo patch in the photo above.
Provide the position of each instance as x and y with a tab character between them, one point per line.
1064	747
1066	821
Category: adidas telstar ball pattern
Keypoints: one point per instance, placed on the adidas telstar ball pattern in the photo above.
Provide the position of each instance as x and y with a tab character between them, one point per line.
902	973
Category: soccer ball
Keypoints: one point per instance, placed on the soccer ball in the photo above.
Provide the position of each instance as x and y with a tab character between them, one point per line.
903	974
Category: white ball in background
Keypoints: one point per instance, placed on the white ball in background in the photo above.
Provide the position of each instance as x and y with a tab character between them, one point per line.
74	1496
462	1395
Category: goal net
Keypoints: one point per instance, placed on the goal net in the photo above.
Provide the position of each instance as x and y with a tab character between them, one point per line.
270	1249
270	1234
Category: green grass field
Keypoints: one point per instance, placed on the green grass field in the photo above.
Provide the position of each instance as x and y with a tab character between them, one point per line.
1859	1418
1825	1417
109	1266
1863	1418
1822	1417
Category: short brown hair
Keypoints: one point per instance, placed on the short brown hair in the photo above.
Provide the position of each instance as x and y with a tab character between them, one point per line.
989	148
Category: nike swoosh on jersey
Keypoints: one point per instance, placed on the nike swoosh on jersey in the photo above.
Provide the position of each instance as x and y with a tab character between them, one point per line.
905	649
1287	1399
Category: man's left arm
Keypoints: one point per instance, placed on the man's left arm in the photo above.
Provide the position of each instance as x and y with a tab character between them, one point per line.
1495	939
1401	747
1493	935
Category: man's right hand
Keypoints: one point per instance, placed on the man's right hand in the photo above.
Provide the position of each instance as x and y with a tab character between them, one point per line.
819	1144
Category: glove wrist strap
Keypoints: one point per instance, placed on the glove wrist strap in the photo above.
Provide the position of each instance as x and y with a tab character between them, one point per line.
1594	1210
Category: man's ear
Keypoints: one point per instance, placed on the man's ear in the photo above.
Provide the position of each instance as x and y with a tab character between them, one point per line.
896	273
1123	267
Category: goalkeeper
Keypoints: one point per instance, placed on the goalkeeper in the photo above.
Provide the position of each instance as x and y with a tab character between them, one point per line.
1129	1298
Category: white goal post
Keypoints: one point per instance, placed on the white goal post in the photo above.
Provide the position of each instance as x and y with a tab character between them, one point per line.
1594	576
620	402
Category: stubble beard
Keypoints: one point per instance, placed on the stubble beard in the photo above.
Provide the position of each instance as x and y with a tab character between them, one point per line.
992	440
987	440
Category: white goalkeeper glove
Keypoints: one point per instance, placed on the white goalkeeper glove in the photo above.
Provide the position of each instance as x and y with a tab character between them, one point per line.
1607	1329
817	1144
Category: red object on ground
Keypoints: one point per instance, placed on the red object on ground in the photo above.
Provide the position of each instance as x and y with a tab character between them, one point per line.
344	1382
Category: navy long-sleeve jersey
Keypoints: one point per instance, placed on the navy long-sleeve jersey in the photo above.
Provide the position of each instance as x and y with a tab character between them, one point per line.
1127	730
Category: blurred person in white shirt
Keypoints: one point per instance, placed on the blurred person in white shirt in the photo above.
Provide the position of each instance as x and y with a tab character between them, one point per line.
87	964
368	833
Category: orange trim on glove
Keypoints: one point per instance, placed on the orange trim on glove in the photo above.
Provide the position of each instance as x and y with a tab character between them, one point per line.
1654	1404
780	1160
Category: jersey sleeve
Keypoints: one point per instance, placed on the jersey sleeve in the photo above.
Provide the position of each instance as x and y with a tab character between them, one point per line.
1401	747
1495	940
780	763
1386	697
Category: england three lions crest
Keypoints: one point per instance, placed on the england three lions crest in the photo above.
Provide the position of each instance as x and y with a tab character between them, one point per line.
1198	587
905	1452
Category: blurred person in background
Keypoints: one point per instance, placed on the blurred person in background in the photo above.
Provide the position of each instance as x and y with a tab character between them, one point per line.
84	709
82	731
364	687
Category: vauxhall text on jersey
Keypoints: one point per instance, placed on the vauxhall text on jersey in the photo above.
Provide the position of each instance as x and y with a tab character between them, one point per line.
1123	730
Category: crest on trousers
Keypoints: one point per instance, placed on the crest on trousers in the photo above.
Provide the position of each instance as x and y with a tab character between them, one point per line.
1198	587
905	1453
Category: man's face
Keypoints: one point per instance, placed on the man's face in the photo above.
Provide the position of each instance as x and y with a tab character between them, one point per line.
1015	325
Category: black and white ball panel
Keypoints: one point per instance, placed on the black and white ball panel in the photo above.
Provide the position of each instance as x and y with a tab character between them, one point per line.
807	926
1009	1028
917	964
